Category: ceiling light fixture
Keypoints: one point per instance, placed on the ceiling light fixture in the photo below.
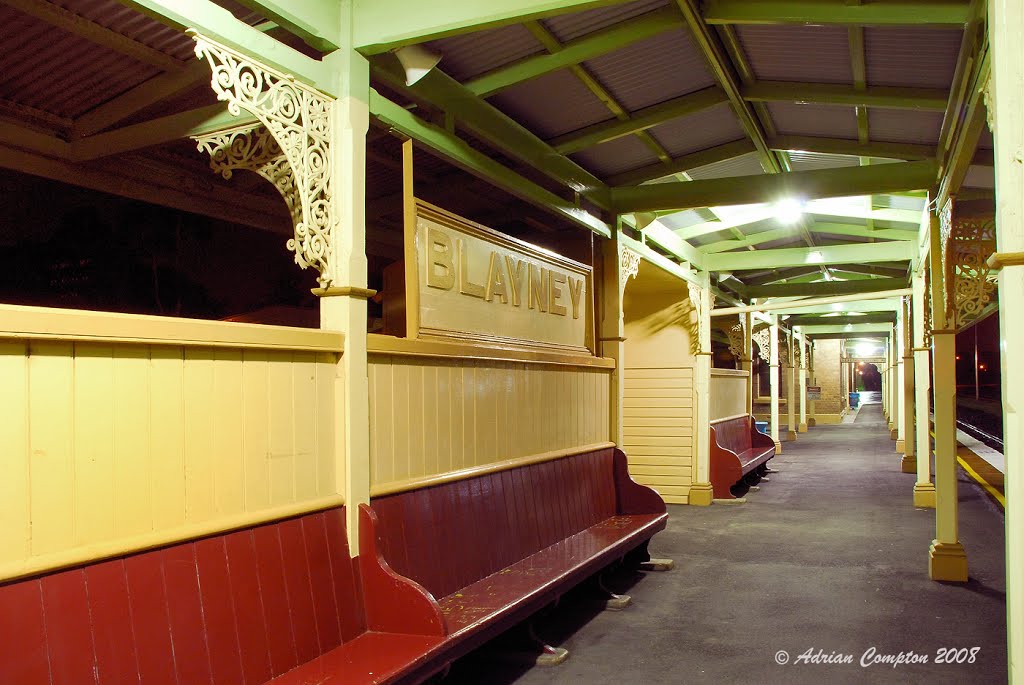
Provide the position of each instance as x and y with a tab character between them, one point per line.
416	61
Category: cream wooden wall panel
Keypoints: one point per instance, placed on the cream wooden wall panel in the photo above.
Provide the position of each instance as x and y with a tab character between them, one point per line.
433	415
15	511
106	442
728	393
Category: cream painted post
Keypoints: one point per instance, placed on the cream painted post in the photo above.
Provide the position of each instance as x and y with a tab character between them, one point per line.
747	362
618	265
773	378
901	405
811	418
909	462
803	383
1006	111
924	489
894	384
791	395
343	306
946	557
701	492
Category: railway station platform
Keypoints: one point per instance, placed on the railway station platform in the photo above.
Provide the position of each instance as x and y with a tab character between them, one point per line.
833	548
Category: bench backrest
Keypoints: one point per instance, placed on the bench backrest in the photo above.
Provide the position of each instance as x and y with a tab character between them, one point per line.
733	434
236	608
448	536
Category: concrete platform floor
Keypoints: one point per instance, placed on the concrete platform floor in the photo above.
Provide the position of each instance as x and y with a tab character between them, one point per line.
830	555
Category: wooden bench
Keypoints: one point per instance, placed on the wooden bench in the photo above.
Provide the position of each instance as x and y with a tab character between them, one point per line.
496	548
241	607
739	456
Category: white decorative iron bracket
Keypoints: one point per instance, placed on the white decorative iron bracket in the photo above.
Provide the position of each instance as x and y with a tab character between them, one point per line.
762	336
629	266
969	285
298	118
737	335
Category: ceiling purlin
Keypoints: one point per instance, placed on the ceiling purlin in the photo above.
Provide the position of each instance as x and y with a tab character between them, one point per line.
826	288
858	65
840	146
894	13
552	45
683	163
562	55
723	71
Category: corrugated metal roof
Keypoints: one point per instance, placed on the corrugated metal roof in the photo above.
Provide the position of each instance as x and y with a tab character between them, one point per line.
652	70
88	74
980	177
615	156
683	219
567	27
472	54
783	53
904	126
552	104
710	127
911	56
128	22
829	121
744	165
899	202
809	161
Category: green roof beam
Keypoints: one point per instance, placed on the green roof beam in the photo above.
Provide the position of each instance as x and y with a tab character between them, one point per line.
684	163
841	320
499	130
576	51
749	241
382	25
463	155
821	288
804	185
640	121
863	231
853	148
317	22
822	255
892	97
894	13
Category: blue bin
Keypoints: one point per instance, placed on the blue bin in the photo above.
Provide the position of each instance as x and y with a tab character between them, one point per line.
761	426
854	400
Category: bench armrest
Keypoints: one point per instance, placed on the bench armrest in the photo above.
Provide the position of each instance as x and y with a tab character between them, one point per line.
393	603
630	496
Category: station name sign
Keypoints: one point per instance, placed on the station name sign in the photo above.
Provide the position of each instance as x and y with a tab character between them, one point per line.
477	284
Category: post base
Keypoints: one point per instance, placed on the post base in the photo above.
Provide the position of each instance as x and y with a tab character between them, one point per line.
778	446
901	446
908	464
811	422
893	433
802	428
701	494
924	496
947	561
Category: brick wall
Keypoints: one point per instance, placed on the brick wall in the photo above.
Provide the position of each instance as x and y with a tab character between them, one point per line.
828	375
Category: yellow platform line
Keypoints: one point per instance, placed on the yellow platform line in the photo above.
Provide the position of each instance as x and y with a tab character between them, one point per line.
998	496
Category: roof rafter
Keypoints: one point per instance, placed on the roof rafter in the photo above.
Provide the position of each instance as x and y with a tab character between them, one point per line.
748	241
580	50
767	188
894	13
853	148
826	288
640	121
826	319
927	99
683	163
863	231
822	255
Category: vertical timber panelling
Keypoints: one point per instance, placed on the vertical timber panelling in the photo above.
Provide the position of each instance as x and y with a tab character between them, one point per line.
435	415
108	444
658	429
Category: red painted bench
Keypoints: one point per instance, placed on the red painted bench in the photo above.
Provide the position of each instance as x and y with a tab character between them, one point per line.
739	456
496	548
241	607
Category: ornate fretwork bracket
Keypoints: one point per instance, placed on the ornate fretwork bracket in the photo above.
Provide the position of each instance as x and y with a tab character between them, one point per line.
737	335
253	148
762	336
629	266
969	286
298	118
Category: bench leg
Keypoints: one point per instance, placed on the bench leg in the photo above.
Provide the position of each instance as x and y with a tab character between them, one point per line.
642	559
612	601
658	565
549	656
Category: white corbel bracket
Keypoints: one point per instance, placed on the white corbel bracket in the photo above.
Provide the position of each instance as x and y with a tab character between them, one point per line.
298	118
